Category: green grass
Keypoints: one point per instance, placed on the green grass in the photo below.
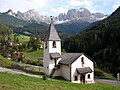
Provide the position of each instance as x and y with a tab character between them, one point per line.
21	82
33	55
103	74
22	38
4	62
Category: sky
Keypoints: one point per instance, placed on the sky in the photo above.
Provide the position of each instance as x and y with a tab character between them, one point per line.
54	7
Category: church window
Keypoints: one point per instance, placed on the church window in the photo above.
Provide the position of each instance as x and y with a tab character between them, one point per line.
75	78
45	45
82	61
54	44
88	76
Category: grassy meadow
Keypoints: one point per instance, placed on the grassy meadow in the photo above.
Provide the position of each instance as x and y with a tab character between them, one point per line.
33	55
22	38
4	62
21	82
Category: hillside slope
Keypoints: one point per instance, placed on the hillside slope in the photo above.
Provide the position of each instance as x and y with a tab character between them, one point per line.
101	42
4	30
12	21
73	27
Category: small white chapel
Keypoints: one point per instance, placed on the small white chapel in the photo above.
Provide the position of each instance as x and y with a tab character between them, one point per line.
73	67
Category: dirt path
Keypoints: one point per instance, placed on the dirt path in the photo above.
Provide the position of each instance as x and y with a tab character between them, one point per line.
15	71
111	82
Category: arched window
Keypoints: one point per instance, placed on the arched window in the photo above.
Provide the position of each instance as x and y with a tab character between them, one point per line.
75	78
46	45
82	61
54	44
88	76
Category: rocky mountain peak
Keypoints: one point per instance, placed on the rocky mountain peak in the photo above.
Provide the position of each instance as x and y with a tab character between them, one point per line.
81	14
83	9
10	12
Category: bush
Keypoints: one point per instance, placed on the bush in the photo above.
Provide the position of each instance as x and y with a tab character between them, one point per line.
38	63
45	77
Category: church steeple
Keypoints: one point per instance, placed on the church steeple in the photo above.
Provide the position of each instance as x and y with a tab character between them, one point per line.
52	49
52	34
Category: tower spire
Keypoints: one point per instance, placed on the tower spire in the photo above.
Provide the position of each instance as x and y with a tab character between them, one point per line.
52	32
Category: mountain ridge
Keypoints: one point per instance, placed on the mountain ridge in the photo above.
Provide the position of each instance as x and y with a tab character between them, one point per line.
72	14
76	20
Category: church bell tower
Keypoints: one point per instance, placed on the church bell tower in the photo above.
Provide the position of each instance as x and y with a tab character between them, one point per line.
52	49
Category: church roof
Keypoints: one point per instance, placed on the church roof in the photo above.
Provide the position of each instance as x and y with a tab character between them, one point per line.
55	55
84	70
52	33
69	58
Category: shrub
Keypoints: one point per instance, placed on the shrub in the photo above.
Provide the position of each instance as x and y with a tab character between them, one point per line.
38	63
45	77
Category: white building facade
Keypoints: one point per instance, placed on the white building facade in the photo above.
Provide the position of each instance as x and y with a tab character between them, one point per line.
74	67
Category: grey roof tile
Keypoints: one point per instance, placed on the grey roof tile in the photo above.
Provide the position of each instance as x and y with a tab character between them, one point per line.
52	33
69	58
55	55
84	70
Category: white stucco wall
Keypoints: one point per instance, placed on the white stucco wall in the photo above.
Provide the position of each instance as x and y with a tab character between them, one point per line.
57	73
65	71
91	80
78	64
45	59
48	64
55	50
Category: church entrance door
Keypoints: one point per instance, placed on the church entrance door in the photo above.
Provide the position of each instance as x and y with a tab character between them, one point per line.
82	79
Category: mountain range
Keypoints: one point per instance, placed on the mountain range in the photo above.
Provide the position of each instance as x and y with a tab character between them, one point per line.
72	14
81	14
72	22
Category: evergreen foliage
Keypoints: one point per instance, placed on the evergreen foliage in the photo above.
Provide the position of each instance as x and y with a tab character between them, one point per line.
72	27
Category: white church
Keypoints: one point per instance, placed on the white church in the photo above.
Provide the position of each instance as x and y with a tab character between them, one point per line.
73	67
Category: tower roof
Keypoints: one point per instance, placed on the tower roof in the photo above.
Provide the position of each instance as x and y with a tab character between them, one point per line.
52	33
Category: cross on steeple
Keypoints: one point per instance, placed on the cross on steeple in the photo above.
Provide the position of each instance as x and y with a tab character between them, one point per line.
51	19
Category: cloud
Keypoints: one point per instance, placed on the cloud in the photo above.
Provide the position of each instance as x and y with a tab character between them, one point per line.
59	10
53	7
81	3
55	11
22	5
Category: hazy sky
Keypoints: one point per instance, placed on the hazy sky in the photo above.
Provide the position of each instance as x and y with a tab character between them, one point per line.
54	7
